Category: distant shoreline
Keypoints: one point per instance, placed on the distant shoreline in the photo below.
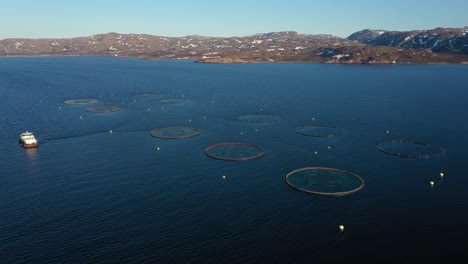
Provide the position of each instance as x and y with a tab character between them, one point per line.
222	61
436	46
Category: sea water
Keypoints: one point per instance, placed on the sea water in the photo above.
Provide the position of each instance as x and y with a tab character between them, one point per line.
88	195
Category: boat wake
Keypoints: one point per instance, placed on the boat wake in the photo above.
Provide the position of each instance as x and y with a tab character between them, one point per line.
45	140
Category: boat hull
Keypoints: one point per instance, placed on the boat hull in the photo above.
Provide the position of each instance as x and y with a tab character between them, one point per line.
29	145
24	145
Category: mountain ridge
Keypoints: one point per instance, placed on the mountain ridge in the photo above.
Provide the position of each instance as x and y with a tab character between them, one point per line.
437	40
439	45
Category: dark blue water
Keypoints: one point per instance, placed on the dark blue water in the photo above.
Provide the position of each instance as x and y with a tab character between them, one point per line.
86	195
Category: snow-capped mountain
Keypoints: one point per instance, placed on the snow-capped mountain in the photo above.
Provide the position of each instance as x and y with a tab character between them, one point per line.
453	40
367	46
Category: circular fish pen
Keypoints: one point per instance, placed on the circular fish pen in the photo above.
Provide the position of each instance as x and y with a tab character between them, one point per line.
254	118
81	101
325	181
174	101
147	96
320	131
234	151
175	132
411	149
103	108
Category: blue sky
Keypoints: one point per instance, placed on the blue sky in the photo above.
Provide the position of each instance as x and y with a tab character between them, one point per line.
59	18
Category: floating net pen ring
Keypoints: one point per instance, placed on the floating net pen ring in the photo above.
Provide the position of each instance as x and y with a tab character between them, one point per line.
254	118
324	181
175	132
438	151
234	151
174	101
320	131
81	101
103	108
147	95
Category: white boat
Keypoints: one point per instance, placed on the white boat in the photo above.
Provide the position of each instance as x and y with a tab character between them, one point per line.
28	140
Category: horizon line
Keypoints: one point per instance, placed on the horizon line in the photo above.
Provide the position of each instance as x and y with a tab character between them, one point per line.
249	35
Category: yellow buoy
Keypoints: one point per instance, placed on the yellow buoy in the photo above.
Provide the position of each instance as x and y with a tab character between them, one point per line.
224	177
441	174
431	183
158	148
341	228
110	131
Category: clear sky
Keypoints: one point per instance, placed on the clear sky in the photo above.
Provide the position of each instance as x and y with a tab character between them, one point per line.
73	18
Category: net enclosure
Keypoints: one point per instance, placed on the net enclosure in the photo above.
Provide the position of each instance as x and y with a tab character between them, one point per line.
81	101
175	132
234	151
320	131
410	149
174	101
325	181
155	95
254	118
103	108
